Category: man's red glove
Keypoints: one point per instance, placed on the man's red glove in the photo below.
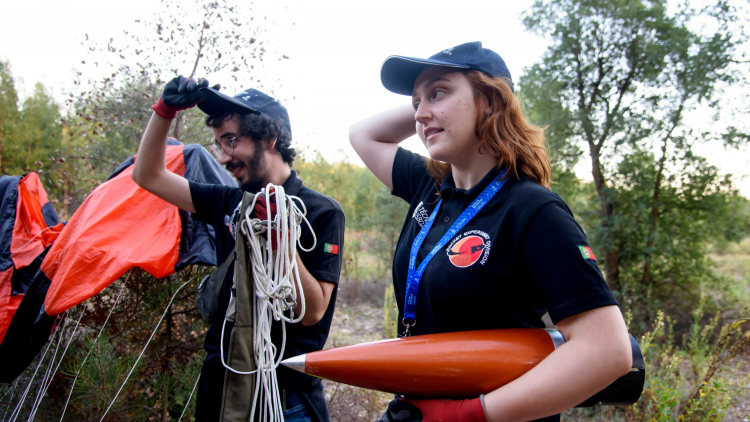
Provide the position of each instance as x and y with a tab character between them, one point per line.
435	410
180	93
261	212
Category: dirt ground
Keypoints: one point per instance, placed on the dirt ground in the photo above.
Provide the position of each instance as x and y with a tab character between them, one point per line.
363	323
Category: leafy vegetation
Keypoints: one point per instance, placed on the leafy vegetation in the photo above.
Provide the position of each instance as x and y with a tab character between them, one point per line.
615	88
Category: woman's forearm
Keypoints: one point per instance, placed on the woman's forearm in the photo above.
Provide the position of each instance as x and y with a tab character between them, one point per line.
376	139
390	126
597	352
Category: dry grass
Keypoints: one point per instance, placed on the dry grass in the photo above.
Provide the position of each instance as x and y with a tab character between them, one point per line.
353	325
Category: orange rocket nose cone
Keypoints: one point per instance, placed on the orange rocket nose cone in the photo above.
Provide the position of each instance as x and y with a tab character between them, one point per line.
462	364
454	365
297	363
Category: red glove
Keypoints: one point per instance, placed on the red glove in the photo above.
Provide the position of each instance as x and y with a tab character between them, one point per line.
261	211
261	208
435	410
470	410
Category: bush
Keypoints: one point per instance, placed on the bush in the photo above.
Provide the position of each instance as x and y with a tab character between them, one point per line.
692	381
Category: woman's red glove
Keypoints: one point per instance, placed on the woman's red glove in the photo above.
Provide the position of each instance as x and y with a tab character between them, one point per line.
435	410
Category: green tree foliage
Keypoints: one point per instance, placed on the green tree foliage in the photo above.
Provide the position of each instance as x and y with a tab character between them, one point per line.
373	219
9	114
617	84
31	131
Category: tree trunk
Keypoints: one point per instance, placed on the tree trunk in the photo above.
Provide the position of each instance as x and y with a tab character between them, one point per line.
654	218
611	266
176	124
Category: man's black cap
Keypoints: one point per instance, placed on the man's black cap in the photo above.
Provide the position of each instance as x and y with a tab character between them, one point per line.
248	101
399	73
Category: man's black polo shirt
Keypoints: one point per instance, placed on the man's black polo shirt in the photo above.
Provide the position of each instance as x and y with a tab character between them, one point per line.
522	255
219	206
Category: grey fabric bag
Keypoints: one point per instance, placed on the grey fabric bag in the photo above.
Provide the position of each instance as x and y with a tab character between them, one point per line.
207	300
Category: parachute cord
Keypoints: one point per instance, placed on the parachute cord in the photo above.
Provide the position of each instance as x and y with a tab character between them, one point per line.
47	380
36	236
156	328
10	400
187	403
70	393
277	289
17	410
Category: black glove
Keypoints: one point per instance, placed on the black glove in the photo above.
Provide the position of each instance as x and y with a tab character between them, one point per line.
401	411
180	93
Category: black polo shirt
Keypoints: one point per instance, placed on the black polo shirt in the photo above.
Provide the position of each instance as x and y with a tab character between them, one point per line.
219	206
521	256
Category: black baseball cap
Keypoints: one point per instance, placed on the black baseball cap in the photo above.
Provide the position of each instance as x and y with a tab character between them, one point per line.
399	73
248	101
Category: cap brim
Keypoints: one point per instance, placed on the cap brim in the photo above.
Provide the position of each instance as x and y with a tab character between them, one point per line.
215	103
398	73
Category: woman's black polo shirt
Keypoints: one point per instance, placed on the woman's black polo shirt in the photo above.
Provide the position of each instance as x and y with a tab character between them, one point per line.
521	256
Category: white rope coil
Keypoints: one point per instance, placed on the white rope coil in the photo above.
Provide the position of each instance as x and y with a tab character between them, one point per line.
278	289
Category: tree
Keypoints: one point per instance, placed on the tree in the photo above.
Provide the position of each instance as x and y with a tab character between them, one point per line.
618	82
30	132
624	73
8	115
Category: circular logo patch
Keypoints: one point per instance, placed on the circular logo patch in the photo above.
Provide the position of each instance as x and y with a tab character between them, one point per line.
466	251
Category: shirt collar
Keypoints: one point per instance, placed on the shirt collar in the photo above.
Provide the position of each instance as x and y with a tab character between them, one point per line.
449	190
293	184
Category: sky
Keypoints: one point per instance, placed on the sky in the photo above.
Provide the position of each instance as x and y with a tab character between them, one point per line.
335	50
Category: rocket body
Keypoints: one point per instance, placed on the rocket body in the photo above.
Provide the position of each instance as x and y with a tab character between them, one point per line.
459	364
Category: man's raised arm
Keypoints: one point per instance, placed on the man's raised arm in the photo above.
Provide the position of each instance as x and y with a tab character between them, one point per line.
150	170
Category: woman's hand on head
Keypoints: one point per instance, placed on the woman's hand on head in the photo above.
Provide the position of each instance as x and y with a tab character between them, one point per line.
376	139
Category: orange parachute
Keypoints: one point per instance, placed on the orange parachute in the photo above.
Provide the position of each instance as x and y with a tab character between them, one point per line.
28	225
119	226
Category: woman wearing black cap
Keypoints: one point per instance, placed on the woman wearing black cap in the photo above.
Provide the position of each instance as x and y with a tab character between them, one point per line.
486	244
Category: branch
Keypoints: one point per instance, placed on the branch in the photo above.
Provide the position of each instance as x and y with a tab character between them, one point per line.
622	89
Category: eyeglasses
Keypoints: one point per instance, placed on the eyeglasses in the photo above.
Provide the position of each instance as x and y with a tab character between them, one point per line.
226	145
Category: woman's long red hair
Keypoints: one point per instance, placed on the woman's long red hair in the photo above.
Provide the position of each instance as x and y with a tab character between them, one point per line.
504	132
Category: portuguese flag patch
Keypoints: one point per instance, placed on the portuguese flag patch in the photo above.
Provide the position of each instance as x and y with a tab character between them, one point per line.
332	249
585	251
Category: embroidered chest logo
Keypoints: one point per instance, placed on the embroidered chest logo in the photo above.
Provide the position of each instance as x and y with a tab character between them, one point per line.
468	248
420	214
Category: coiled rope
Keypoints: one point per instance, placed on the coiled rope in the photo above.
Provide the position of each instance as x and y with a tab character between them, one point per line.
277	289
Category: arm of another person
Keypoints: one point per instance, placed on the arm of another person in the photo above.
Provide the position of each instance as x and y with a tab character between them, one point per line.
317	296
596	353
376	140
150	170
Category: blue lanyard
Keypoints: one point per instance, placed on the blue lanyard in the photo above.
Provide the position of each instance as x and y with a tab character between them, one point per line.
414	276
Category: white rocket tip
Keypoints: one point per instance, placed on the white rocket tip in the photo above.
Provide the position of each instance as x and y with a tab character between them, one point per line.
297	363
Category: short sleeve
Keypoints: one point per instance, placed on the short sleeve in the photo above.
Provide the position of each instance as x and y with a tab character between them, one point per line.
324	261
211	202
409	170
562	265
